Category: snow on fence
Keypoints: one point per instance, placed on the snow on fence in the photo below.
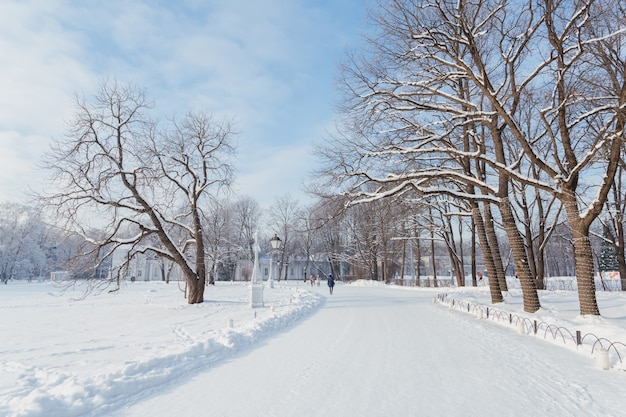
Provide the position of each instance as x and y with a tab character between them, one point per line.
597	346
427	282
551	283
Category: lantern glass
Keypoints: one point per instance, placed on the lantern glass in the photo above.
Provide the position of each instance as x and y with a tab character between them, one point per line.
275	242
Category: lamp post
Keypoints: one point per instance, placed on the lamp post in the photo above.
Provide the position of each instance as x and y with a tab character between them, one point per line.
276	244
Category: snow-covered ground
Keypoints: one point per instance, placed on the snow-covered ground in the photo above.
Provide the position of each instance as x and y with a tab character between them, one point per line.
367	350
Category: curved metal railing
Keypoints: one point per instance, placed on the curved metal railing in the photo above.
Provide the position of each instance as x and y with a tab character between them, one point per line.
525	325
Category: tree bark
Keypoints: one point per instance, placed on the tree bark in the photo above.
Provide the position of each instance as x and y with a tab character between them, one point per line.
527	282
494	285
583	258
494	248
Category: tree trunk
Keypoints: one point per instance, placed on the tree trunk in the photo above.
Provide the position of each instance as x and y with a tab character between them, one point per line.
541	255
402	262
539	247
618	225
494	286
583	259
529	286
417	262
585	275
541	268
473	253
461	271
490	230
196	289
528	234
619	250
432	254
281	263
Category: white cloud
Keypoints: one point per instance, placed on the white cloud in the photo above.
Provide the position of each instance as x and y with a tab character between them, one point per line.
274	172
38	71
18	169
269	65
39	74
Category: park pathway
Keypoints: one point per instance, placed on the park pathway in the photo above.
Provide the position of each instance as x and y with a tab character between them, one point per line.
375	351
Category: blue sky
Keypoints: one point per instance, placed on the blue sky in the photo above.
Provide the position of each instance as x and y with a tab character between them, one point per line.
268	64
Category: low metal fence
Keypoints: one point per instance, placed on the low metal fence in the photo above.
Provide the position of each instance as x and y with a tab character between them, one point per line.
551	284
426	282
596	345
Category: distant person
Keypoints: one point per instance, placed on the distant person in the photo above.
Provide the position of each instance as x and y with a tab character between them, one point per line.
311	279
318	280
331	283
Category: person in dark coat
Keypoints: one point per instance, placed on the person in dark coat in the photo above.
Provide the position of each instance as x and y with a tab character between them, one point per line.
331	283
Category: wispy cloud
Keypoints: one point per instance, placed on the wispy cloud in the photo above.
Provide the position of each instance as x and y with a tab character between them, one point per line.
267	64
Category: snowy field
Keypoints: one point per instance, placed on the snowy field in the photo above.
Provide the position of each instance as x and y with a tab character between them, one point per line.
368	350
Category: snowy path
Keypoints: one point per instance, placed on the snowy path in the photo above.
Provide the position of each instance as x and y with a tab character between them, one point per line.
381	352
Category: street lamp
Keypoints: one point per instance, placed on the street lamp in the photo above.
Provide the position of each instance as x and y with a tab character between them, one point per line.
276	244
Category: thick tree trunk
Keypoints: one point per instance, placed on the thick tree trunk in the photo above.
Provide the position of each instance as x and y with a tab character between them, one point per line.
196	290
494	286
528	235
583	259
490	230
527	282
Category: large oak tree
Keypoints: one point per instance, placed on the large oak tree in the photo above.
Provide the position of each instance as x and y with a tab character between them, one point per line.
143	183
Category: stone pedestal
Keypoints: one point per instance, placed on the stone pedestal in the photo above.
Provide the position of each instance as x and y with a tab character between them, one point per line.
256	295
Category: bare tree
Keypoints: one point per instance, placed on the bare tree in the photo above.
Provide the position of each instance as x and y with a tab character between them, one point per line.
283	218
372	238
413	127
117	167
363	240
247	213
307	230
218	220
583	119
447	82
25	242
616	209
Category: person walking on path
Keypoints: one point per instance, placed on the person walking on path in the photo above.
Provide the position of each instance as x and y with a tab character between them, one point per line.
311	279
331	283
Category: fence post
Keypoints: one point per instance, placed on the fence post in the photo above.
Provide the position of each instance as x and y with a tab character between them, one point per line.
510	318
487	312
579	340
535	326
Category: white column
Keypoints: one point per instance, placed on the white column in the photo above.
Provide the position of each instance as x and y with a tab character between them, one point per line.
256	286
